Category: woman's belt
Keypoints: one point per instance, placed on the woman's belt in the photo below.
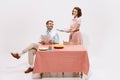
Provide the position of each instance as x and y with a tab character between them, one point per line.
76	30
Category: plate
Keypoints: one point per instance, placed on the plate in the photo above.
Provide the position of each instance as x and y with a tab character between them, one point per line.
43	49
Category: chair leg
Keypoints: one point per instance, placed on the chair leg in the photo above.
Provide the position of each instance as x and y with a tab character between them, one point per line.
77	73
80	74
41	75
63	74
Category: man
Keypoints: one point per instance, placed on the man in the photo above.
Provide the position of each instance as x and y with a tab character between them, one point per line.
50	36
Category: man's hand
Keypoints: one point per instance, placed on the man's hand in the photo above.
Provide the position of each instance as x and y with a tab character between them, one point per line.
42	42
50	42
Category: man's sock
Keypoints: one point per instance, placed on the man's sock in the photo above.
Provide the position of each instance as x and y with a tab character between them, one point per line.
31	66
20	54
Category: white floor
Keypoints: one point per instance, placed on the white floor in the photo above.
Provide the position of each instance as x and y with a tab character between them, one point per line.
102	67
21	20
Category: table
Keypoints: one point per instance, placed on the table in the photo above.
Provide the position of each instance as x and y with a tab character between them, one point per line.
72	58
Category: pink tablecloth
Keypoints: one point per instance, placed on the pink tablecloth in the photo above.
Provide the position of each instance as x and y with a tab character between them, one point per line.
72	58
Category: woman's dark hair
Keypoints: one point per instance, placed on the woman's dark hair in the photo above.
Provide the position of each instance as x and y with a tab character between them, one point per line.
49	21
79	11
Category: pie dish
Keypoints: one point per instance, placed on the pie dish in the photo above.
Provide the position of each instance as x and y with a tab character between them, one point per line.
58	46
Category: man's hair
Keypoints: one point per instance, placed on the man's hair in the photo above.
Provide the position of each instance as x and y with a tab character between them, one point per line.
49	21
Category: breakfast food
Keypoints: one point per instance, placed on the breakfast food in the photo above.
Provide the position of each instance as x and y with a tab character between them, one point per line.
58	46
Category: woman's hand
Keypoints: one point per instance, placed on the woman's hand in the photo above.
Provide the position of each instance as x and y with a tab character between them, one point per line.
71	30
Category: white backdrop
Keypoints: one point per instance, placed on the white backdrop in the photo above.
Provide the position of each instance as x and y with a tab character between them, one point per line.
21	23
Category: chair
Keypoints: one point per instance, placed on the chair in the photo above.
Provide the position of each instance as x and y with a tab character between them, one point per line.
70	43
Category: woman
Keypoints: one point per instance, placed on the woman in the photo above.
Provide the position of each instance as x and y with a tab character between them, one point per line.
75	35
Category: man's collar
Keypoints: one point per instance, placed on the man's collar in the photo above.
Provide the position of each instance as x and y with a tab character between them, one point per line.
48	30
